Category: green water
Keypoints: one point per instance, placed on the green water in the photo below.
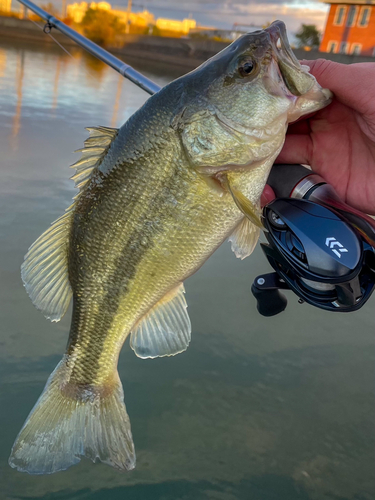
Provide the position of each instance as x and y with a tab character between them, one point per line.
257	408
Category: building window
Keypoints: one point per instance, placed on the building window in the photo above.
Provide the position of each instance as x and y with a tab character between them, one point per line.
332	47
352	15
356	48
344	47
339	16
364	17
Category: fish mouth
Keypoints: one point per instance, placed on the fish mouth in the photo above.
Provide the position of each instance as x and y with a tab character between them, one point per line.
294	76
279	38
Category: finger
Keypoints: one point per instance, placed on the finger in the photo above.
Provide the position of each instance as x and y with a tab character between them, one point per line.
298	128
352	84
296	149
267	196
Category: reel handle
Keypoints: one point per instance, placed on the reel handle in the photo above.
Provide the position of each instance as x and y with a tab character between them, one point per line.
266	291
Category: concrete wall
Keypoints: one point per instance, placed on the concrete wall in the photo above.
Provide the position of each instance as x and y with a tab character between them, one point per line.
182	52
12	28
341	58
186	52
192	52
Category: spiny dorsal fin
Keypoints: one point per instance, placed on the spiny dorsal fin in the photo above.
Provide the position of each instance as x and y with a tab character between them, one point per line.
166	328
45	268
244	238
96	147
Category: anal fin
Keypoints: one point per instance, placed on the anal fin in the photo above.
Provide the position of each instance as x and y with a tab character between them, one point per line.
165	330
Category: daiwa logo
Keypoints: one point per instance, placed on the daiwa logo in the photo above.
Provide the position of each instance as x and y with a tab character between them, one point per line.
332	242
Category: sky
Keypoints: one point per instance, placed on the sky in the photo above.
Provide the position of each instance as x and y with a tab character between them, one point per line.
224	13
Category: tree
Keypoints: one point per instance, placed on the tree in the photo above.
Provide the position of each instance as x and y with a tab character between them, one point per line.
49	7
101	26
308	36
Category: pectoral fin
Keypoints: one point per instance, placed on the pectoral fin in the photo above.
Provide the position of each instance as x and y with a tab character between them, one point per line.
166	328
244	238
251	211
45	269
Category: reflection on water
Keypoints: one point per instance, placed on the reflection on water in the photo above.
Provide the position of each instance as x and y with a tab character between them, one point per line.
117	101
257	408
56	84
94	68
3	59
19	78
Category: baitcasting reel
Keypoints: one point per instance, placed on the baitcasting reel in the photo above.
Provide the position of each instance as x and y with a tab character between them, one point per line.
319	247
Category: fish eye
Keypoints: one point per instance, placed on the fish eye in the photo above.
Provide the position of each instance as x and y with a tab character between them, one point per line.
246	68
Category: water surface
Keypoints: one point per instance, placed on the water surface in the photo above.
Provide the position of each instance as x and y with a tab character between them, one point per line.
257	408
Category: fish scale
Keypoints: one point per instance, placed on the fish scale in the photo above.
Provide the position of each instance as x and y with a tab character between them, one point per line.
119	264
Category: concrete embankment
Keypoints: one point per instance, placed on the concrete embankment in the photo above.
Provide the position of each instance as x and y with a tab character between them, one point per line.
186	53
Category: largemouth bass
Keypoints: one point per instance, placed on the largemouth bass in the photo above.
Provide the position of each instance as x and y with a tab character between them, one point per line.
157	197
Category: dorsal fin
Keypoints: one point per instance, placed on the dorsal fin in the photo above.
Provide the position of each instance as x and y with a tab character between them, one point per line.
165	330
45	268
96	147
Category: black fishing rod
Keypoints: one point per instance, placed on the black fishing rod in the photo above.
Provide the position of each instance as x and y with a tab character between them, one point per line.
114	62
319	247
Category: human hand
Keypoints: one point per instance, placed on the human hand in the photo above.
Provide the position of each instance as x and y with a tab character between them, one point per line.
338	142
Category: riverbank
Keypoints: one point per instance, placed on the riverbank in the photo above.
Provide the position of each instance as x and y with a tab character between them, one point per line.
187	53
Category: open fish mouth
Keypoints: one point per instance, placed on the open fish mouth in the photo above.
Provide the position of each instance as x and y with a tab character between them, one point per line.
294	76
279	38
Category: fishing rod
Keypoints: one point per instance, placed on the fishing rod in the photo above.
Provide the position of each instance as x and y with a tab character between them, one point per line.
319	247
114	62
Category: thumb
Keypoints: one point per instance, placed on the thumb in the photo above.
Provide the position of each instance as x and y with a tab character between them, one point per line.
267	196
352	84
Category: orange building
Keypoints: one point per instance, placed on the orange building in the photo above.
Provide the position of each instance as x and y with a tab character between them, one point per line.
350	27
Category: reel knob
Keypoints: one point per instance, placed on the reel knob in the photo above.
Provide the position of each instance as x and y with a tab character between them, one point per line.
266	291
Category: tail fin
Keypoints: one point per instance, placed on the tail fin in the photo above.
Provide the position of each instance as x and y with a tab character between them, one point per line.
65	425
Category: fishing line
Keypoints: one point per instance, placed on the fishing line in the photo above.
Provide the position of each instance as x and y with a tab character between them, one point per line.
53	38
60	45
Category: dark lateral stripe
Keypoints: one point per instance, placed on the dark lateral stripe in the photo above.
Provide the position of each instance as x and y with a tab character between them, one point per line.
137	245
